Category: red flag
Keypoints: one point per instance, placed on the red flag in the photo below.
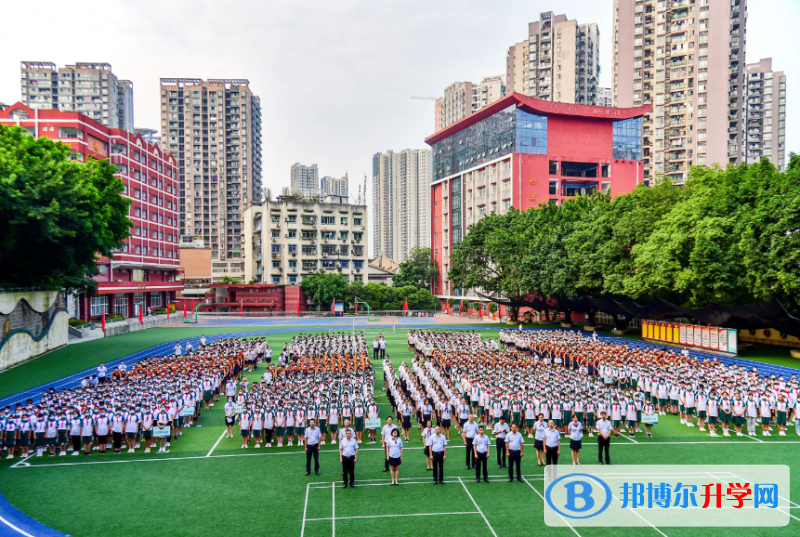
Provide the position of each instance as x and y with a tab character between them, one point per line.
184	309
459	307
241	307
333	306
141	314
298	307
103	322
405	306
356	306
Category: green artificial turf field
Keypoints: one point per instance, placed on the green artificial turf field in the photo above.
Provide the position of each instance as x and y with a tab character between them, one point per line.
207	485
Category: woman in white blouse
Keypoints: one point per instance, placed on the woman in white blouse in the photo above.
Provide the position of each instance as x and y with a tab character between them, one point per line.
394	454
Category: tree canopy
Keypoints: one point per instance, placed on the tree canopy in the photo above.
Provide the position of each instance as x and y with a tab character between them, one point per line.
729	236
56	215
419	270
325	287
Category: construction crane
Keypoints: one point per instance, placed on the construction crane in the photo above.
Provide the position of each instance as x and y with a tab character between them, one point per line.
424	98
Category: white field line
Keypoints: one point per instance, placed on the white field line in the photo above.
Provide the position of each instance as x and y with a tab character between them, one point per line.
477	507
210	451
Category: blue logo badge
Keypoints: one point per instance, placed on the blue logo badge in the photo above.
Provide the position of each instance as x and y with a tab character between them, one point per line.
579	496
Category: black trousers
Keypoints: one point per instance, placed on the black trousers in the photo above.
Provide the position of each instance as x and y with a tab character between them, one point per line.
470	454
349	469
514	457
117	437
375	354
76	442
501	451
551	458
602	445
313	451
438	466
481	461
383	354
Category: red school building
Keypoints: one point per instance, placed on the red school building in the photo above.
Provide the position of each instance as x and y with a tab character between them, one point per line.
521	152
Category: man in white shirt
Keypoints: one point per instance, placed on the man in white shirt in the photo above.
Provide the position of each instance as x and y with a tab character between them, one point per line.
101	373
515	448
552	449
481	445
604	428
311	440
500	430
348	455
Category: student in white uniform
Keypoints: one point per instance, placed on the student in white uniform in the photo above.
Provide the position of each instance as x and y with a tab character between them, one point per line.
575	435
394	455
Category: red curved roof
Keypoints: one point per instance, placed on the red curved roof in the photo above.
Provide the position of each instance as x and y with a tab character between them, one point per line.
543	108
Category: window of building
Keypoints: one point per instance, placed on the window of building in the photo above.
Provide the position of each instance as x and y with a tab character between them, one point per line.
276	264
506	205
276	279
292	219
155	300
627	139
553	167
357	221
99	305
343	221
138	303
292	279
553	188
292	234
605	170
121	305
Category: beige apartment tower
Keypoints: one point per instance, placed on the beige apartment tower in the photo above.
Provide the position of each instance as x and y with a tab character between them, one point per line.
686	58
213	127
559	61
765	113
464	98
90	88
401	202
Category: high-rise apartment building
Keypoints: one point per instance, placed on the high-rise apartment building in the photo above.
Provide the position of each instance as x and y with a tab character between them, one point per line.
604	97
400	202
464	98
382	204
411	180
334	186
765	113
88	88
559	61
213	127
686	58
305	179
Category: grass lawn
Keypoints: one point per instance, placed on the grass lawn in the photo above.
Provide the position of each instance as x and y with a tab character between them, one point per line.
207	485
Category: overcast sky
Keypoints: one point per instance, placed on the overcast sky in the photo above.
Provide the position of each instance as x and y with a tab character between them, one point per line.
336	76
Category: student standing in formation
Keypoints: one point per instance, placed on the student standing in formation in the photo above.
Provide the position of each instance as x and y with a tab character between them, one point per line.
244	427
480	452
230	417
394	455
405	410
348	455
386	434
575	435
604	428
540	427
372	413
311	440
500	430
469	430
376	346
552	448
439	449
515	448
427	432
383	347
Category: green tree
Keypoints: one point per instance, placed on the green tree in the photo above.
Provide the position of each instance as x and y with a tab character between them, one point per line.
418	270
324	288
489	258
229	280
770	238
56	215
